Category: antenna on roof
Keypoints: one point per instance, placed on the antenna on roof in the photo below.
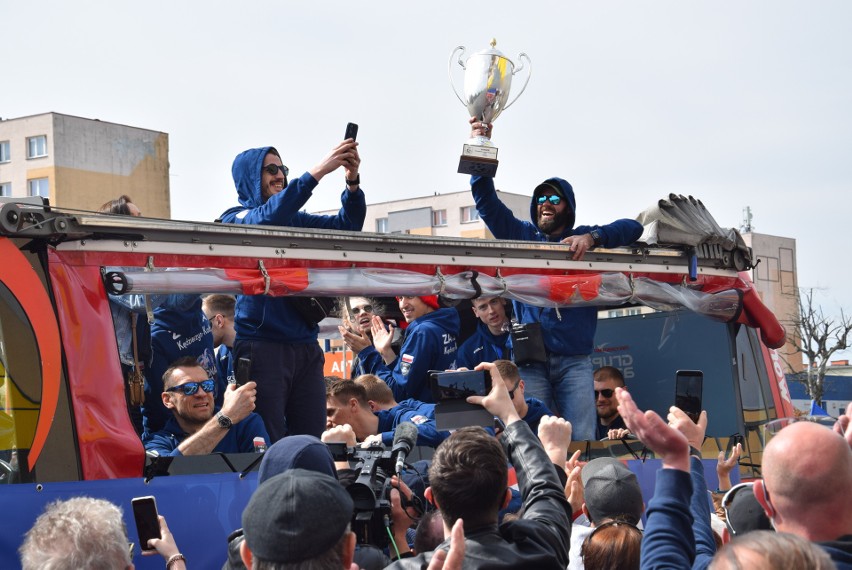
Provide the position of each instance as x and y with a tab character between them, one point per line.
746	227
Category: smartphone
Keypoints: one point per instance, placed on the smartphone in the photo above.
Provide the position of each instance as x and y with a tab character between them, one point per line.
459	385
689	385
147	523
351	132
243	371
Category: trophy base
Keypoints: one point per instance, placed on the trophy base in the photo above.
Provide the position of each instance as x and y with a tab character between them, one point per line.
478	160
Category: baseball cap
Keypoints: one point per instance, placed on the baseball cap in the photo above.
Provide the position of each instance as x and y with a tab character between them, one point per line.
296	516
611	491
742	511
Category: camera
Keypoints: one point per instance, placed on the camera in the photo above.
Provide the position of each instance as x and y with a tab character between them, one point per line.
370	491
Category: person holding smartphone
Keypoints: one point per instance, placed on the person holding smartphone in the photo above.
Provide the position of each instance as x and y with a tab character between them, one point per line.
287	362
196	426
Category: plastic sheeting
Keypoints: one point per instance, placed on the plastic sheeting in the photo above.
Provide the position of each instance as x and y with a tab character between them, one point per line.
562	291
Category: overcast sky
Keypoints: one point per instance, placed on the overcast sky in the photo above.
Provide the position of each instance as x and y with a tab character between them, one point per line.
737	103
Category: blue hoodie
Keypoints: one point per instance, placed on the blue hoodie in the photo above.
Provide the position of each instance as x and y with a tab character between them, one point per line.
174	334
430	344
422	416
568	333
274	318
483	346
535	411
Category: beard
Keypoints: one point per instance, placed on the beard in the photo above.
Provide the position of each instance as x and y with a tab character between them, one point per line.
559	220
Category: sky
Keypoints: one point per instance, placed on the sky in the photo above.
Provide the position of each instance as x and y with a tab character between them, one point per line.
736	103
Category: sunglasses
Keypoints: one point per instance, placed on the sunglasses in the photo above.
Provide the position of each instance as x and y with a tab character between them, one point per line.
190	388
272	169
728	499
553	199
606	393
598	528
364	309
512	391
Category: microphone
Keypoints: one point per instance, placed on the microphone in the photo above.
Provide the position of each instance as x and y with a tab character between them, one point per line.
404	440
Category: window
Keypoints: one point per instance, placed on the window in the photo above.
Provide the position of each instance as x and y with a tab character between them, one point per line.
37	146
439	217
5	189
381	225
39	187
469	214
5	156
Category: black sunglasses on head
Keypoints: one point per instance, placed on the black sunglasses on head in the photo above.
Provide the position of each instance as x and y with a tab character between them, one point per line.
606	393
190	388
553	199
272	169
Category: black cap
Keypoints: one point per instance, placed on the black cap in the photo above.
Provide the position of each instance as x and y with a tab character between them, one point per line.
296	516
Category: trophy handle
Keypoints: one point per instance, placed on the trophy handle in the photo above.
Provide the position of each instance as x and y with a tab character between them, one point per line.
450	71
521	58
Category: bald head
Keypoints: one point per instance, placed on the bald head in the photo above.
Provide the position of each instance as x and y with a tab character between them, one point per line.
806	467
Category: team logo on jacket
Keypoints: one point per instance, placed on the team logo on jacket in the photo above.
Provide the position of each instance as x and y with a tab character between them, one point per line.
419	420
405	362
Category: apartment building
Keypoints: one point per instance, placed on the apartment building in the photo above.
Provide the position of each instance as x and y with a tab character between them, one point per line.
82	163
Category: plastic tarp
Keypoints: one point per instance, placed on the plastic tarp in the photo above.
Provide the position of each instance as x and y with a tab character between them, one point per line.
683	220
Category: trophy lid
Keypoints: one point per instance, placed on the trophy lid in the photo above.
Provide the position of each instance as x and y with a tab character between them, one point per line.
493	52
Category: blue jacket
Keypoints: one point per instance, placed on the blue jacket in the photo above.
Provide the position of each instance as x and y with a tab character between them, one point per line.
175	334
568	333
239	439
430	344
423	416
274	318
535	411
482	346
678	533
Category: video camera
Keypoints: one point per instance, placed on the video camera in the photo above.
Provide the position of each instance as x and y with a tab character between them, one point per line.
370	491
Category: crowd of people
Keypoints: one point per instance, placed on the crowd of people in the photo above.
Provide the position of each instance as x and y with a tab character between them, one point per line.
225	374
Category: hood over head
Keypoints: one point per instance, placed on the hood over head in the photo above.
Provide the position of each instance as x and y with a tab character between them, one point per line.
246	172
561	187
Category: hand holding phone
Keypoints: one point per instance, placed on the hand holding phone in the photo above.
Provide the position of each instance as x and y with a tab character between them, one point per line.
147	521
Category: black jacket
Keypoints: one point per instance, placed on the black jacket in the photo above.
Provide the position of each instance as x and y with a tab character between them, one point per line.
541	538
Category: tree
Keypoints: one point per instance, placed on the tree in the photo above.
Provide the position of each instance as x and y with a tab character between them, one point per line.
817	338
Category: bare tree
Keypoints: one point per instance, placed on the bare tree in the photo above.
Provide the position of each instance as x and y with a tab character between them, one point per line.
817	338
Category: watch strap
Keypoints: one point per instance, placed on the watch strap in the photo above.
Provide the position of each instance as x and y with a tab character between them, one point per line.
354	182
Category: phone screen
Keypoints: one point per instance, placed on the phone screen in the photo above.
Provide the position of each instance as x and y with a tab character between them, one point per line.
460	385
243	371
147	523
688	389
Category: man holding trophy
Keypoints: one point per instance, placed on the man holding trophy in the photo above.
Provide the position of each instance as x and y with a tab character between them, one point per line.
563	379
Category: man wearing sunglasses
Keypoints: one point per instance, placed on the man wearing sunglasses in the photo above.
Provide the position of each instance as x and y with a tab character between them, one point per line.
564	381
287	362
610	423
196	428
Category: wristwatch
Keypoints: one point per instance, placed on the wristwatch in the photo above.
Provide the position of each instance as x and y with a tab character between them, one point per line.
596	237
224	421
356	181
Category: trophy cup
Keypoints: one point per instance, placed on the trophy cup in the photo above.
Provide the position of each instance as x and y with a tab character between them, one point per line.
487	80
